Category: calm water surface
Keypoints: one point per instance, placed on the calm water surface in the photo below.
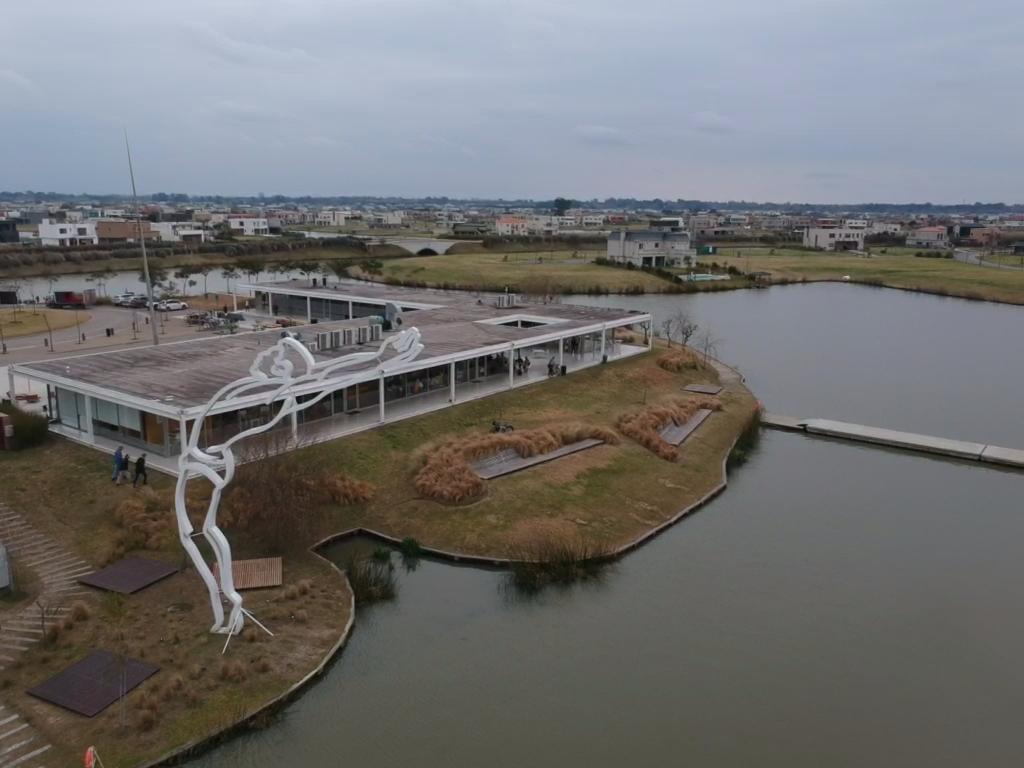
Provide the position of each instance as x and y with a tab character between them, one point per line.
940	366
839	605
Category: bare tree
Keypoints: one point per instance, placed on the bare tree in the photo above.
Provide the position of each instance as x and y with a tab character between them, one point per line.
708	344
667	326
684	326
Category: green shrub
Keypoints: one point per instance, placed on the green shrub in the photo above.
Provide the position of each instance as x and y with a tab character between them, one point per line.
30	429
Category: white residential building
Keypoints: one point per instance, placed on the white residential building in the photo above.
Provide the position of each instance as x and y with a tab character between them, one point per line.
331	217
928	237
592	220
62	233
835	238
179	232
650	247
249	225
511	226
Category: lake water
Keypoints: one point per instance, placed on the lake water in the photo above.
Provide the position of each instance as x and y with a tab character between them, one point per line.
838	605
940	366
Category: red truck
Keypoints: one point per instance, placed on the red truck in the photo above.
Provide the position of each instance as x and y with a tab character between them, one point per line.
72	299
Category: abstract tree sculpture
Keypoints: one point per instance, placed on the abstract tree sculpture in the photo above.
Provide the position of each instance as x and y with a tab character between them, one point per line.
279	374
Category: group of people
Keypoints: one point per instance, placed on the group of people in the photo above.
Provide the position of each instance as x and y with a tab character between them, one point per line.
123	466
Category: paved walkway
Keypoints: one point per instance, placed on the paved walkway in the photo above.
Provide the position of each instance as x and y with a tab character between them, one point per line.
58	570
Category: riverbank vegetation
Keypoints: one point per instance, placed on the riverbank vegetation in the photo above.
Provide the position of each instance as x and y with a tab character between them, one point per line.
892	267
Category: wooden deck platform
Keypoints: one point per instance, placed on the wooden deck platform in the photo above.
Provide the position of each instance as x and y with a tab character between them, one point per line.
507	462
675	434
908	441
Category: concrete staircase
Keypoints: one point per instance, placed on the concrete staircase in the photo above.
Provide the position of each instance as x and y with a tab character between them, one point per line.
58	570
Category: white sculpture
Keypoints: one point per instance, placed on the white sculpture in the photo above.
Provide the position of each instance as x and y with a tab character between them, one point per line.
274	377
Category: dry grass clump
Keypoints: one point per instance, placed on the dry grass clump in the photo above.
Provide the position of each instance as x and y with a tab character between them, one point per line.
677	360
232	671
446	474
282	496
80	611
645	426
144	521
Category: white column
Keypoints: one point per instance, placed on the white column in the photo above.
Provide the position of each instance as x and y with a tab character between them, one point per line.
561	355
451	382
604	332
10	383
650	333
88	417
380	395
309	310
234	301
350	310
183	433
295	425
270	303
511	366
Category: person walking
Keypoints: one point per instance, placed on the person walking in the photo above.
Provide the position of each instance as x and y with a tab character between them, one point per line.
140	471
117	463
122	473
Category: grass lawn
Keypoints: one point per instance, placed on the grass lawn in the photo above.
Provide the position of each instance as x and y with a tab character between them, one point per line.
540	272
897	268
23	322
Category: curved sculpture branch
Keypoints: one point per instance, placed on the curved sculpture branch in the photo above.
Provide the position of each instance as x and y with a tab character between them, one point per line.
273	377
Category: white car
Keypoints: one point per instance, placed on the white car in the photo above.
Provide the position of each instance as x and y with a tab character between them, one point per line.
171	305
123	299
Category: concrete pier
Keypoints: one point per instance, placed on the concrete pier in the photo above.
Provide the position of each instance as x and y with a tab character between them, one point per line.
908	441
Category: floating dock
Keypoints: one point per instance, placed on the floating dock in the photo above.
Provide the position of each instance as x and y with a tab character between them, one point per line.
908	441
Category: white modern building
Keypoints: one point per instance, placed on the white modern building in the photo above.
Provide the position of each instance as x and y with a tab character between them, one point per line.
474	347
928	237
249	225
835	238
63	233
179	232
511	226
670	247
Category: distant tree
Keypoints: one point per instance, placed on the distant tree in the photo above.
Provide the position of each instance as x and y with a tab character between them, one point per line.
561	205
667	326
684	326
205	271
230	274
708	344
183	273
251	267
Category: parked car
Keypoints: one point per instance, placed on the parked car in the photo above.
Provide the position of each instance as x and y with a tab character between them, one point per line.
137	302
171	305
123	299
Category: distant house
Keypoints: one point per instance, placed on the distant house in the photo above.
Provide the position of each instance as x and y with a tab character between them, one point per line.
1018	249
9	231
836	238
250	226
179	232
511	226
123	231
987	236
928	237
63	234
650	247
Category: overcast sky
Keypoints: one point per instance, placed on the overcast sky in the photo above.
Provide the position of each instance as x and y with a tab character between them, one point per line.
790	100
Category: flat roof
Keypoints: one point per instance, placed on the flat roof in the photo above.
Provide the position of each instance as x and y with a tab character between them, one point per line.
178	377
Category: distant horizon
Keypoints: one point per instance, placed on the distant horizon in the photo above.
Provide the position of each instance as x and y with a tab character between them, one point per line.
6	196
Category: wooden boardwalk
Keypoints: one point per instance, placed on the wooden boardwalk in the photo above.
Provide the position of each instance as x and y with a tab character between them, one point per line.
507	462
675	434
907	441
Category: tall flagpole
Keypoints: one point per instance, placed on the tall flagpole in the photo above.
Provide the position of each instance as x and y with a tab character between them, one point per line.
142	242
